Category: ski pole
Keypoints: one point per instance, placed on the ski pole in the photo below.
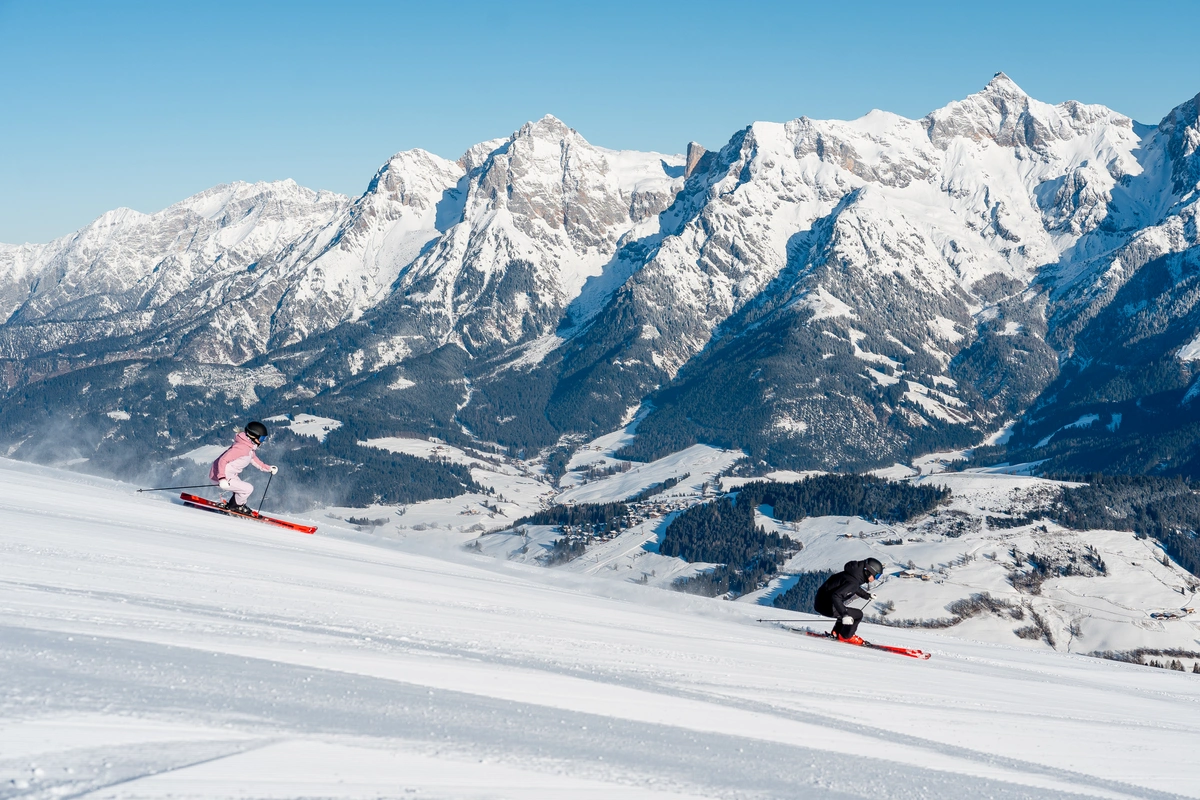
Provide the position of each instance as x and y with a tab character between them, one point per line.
264	497
169	488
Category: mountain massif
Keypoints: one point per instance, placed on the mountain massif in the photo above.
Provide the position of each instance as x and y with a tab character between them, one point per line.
822	294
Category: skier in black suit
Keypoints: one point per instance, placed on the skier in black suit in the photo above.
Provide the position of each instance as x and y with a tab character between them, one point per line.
832	596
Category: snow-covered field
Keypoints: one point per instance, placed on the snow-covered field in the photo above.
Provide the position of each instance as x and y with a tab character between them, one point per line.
520	488
302	425
306	425
701	463
951	555
148	650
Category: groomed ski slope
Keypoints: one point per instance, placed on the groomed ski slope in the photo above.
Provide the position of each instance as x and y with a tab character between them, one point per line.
148	650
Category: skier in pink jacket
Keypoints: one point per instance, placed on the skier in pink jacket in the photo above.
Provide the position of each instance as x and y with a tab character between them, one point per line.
226	469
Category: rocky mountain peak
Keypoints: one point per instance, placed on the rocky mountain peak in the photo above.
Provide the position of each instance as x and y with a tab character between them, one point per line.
1004	86
695	152
413	177
549	127
477	155
234	204
116	218
1181	129
1002	112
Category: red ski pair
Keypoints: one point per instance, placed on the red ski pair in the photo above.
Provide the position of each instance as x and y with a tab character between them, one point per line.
901	651
208	505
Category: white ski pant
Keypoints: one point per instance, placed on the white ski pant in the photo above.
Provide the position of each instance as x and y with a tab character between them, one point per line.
241	489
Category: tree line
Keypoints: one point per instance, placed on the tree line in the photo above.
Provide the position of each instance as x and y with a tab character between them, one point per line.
589	514
1165	509
802	593
863	496
723	532
658	488
340	471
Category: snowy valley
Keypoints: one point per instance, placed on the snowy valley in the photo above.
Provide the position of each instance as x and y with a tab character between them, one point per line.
155	651
1101	592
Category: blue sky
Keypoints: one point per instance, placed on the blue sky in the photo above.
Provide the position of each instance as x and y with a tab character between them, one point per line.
140	104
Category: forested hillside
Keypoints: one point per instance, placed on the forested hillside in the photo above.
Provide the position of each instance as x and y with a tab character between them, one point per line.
863	496
723	531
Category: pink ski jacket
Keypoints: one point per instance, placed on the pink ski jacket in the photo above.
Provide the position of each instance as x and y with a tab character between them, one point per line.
236	458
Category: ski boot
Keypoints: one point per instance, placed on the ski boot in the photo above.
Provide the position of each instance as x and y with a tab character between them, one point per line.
238	508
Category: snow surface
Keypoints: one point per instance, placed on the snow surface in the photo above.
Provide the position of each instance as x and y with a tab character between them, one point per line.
824	305
895	472
518	489
1190	351
1002	435
306	425
780	475
601	451
154	651
701	462
1083	422
205	454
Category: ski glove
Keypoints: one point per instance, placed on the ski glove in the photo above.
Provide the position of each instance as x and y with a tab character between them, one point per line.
847	620
274	470
223	483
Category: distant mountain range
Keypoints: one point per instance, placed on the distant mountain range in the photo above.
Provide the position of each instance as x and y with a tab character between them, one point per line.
822	294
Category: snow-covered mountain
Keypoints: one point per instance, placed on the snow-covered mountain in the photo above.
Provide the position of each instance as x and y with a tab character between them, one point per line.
541	219
820	293
1123	316
200	280
843	293
909	311
154	651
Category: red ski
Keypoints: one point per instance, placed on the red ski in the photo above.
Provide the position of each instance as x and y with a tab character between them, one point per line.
900	651
208	505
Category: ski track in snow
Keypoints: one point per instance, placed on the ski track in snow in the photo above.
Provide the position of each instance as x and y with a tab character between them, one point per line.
148	651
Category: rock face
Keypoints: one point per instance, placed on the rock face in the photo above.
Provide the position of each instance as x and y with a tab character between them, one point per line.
821	293
695	152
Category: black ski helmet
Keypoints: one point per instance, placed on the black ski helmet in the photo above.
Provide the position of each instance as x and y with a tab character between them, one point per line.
873	566
257	431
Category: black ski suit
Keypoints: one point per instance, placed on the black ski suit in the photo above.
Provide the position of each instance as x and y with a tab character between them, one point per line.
832	596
